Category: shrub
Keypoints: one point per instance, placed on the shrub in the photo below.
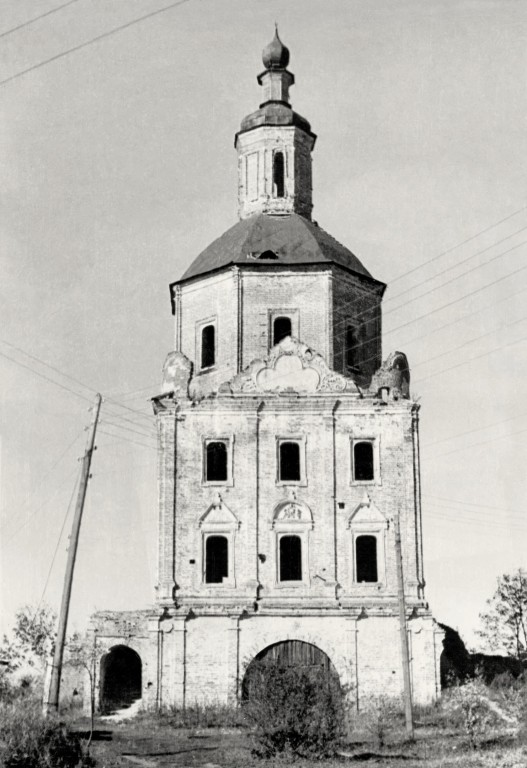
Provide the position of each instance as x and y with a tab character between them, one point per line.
29	740
381	715
294	711
470	703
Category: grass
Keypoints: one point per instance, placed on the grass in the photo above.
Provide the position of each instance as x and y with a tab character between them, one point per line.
210	736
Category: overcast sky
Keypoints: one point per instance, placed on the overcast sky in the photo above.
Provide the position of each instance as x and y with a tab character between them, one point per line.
118	168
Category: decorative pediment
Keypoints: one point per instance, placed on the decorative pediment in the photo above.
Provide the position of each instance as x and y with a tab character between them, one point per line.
292	513
218	517
290	365
367	515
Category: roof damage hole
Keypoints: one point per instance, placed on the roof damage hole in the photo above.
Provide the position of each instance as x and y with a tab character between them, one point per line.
268	255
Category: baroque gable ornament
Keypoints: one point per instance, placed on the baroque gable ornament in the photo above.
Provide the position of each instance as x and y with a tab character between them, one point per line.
218	517
290	366
367	514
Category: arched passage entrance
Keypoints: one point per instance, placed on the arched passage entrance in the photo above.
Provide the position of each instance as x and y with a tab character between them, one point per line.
121	671
287	654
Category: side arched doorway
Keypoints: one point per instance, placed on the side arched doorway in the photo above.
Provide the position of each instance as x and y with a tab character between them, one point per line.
287	654
120	680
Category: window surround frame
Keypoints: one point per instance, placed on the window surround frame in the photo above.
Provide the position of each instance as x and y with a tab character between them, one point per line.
200	325
272	314
375	441
293	527
377	527
302	442
229	442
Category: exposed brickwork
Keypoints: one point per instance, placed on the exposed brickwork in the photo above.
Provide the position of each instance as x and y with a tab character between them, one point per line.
204	629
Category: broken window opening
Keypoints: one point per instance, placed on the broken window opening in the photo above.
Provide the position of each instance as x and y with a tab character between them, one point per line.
290	558
351	347
278	174
216	462
366	558
289	462
216	559
208	346
363	465
281	328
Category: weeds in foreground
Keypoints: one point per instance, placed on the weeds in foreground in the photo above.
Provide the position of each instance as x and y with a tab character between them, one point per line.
30	740
205	715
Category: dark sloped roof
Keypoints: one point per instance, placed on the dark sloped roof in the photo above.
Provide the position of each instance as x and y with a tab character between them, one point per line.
293	239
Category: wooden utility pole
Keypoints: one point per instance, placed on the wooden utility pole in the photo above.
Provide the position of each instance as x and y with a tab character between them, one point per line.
405	654
56	669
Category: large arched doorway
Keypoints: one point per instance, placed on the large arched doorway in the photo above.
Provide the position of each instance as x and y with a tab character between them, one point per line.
120	678
287	654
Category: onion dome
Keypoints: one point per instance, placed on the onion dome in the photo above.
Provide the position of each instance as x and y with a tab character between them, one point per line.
276	54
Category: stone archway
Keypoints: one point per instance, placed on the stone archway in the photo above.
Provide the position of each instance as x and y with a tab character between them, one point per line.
287	654
120	678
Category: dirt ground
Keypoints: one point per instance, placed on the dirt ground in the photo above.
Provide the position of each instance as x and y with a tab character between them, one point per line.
147	744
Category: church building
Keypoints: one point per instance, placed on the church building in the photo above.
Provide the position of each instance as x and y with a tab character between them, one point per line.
288	456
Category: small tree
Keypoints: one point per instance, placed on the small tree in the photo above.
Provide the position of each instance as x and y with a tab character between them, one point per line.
505	621
296	711
26	651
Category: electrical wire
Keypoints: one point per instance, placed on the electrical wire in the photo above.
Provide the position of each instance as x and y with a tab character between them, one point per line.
36	18
96	39
68	509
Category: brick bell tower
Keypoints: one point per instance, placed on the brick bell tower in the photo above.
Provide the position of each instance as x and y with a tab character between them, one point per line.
287	449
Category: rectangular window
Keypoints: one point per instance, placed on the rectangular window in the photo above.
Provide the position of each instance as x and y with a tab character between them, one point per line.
365	460
290	558
366	558
291	460
217	460
216	559
208	346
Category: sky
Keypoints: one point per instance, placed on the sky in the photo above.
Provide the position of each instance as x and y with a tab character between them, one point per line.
116	146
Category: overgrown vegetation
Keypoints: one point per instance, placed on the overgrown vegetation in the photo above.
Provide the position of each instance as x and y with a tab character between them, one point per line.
30	740
206	715
504	623
294	711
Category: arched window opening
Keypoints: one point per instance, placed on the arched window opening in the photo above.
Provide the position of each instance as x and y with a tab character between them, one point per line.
208	346
366	558
268	255
351	347
216	559
278	174
363	466
216	462
289	461
281	328
290	558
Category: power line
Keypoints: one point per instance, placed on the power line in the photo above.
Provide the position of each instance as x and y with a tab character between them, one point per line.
36	18
42	376
470	360
68	509
126	439
38	509
45	475
47	365
93	40
470	341
459	245
476	429
482	442
474	504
